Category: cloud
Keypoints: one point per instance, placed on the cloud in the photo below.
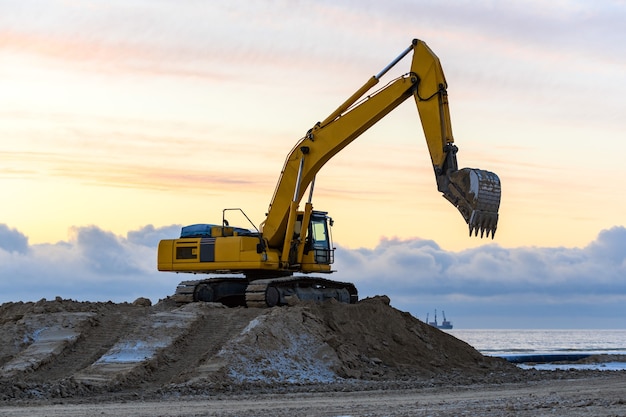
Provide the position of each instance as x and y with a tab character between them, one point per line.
169	40
123	174
93	265
104	252
570	283
12	240
150	236
172	40
491	270
559	287
610	247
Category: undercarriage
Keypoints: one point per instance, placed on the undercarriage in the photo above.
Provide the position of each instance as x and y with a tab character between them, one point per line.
262	293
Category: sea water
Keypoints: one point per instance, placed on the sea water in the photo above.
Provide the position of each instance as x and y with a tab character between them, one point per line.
556	344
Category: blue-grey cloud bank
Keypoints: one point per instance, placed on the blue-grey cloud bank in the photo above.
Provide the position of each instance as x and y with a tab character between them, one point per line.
485	287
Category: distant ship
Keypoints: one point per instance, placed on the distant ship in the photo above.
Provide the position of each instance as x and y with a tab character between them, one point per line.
445	324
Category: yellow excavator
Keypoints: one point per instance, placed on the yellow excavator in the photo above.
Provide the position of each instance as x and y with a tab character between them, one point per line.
255	267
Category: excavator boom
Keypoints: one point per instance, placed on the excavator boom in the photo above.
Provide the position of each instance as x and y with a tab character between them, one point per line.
475	193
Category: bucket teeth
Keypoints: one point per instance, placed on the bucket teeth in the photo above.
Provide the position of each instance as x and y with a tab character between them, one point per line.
476	194
483	222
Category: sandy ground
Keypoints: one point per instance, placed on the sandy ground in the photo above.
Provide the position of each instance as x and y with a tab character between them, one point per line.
68	358
599	395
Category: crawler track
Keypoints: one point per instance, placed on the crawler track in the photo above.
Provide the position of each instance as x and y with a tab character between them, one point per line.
262	293
278	291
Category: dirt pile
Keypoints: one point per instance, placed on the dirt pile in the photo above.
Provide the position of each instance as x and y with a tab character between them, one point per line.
332	341
64	348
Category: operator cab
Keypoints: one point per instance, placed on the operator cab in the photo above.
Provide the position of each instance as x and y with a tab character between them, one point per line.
320	239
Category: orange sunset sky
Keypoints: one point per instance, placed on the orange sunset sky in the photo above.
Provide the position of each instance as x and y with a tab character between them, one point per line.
123	114
121	121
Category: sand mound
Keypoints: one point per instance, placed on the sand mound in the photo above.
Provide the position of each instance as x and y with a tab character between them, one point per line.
65	348
331	341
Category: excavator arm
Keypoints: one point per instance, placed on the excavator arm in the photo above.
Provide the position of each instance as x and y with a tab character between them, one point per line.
475	193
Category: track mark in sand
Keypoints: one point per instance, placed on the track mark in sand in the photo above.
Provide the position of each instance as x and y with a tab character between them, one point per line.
92	343
133	353
166	344
188	357
50	335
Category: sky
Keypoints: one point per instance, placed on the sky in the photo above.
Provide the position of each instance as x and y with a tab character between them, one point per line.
122	121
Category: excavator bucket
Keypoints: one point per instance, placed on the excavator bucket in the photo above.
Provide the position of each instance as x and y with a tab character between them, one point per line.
476	194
